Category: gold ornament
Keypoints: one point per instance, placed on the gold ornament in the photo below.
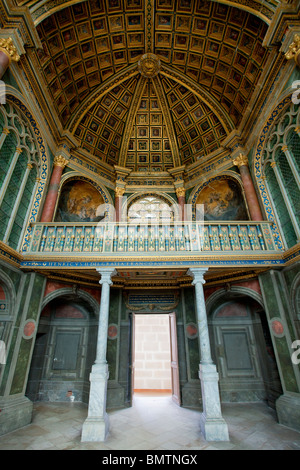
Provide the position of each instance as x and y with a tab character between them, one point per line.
149	65
241	160
294	49
119	192
7	46
180	192
61	161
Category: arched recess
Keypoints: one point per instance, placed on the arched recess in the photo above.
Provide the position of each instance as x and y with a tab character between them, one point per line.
166	199
242	346
65	347
7	317
105	206
29	162
223	198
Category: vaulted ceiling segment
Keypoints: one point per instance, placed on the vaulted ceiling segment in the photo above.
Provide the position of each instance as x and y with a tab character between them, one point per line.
210	59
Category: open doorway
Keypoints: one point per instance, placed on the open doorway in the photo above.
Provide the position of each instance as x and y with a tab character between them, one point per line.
154	355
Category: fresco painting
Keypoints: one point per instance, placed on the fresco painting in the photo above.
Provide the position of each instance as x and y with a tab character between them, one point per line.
79	202
223	200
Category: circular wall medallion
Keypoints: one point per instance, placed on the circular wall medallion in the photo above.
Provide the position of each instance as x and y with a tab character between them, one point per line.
277	327
29	329
149	65
112	331
191	331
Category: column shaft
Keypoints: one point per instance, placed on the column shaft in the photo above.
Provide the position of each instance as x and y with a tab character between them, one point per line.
250	194
4	63
213	426
51	198
96	426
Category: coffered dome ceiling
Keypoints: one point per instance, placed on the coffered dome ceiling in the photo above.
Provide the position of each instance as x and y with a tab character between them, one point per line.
151	88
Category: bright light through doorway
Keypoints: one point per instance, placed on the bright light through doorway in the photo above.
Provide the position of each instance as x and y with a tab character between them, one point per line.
152	358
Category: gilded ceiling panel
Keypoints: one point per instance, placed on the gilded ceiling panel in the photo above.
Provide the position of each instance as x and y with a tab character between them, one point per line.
214	46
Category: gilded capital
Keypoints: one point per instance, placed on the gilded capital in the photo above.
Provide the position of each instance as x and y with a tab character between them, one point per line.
241	160
119	191
294	49
7	46
61	161
180	192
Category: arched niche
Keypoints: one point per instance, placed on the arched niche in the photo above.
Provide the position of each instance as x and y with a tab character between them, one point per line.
242	346
151	208
80	201
220	198
65	347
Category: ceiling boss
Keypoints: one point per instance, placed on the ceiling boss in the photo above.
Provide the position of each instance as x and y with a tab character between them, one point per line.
149	65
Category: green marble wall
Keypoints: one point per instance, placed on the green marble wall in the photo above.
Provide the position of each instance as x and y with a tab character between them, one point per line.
25	294
282	327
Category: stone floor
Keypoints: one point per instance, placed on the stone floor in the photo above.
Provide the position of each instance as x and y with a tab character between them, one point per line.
153	423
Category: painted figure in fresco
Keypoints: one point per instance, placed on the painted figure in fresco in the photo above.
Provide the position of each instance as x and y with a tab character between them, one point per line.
79	202
222	200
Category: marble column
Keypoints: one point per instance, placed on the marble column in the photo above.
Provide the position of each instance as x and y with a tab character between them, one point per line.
180	193
121	176
119	192
96	426
213	426
8	52
48	211
242	163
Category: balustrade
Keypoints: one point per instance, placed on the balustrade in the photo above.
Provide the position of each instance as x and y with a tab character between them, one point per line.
118	238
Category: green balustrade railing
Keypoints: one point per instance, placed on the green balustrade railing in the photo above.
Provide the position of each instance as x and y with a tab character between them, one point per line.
121	238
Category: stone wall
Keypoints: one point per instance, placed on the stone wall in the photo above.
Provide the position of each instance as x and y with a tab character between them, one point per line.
152	369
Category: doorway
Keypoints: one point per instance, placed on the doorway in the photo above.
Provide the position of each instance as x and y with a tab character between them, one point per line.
154	355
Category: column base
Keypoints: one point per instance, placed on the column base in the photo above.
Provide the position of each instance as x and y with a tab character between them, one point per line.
213	426
95	429
288	411
214	429
15	413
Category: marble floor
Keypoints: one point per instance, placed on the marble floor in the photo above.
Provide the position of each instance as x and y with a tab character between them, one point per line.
153	423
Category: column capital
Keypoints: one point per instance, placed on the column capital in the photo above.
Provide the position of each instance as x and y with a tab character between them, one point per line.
294	49
7	46
61	161
197	274
240	160
106	275
180	192
119	191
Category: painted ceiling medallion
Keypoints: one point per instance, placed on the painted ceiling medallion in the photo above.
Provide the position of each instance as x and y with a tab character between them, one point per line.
149	65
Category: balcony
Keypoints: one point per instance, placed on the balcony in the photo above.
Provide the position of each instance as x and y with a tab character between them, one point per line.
214	244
